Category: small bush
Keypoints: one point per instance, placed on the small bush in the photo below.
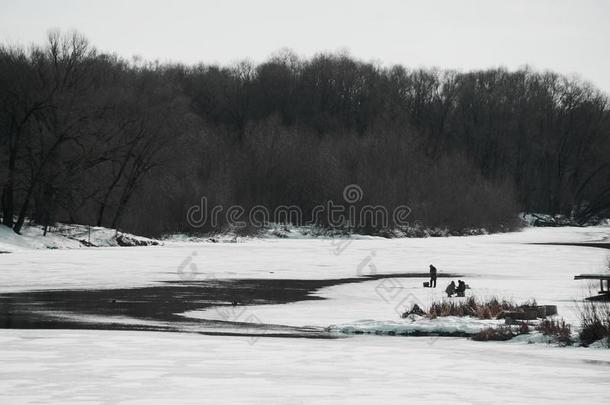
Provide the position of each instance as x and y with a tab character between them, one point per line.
524	328
489	309
594	322
559	330
500	333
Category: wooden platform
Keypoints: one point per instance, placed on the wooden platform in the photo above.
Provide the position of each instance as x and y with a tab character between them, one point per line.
601	277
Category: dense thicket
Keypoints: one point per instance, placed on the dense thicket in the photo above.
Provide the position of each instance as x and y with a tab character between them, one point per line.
91	138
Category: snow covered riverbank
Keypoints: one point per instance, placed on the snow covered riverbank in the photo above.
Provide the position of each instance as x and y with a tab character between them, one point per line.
67	236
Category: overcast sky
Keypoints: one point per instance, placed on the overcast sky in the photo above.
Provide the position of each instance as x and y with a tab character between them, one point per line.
570	37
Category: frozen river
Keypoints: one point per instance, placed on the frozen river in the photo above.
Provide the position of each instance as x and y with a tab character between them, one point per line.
325	282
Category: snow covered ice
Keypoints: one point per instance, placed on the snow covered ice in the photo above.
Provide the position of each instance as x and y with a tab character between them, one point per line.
116	366
150	368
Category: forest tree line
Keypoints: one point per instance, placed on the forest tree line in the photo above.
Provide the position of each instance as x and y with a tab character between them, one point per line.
91	138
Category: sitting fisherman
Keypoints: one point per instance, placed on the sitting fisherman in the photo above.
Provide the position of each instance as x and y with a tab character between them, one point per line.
461	289
450	290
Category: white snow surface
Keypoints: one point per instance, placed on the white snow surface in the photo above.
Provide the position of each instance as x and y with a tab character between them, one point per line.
61	366
95	367
414	323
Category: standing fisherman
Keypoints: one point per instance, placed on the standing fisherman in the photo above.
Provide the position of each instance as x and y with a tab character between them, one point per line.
433	276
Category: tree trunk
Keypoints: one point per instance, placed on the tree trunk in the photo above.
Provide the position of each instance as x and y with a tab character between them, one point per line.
119	212
8	199
100	214
7	204
23	211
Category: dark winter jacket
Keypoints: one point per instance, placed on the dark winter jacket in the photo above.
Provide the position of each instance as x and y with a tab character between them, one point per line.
450	290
